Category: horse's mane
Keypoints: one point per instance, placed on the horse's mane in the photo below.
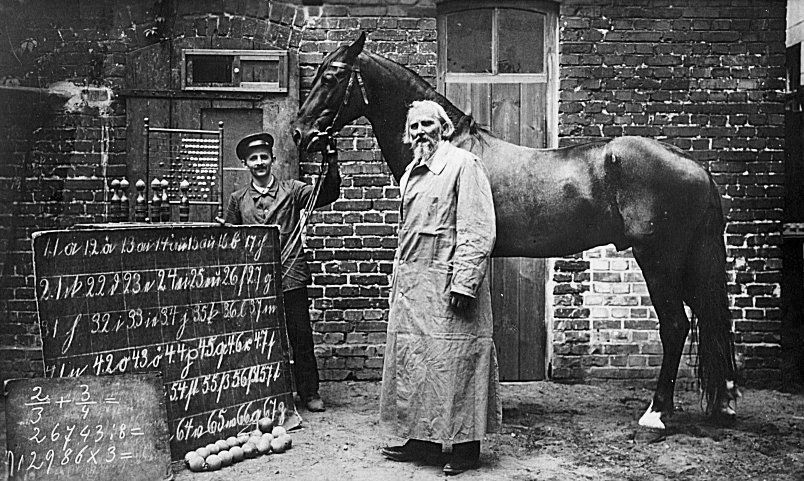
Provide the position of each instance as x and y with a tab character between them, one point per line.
464	123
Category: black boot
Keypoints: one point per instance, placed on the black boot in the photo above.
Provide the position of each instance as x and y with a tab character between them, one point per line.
465	456
412	450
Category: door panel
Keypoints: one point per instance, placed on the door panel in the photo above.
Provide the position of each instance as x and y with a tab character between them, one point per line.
481	103
514	99
505	106
515	112
506	295
532	330
519	319
533	120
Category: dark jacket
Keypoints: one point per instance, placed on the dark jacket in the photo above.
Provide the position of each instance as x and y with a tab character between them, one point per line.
282	206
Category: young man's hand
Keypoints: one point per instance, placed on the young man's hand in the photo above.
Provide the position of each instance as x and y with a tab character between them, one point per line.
330	151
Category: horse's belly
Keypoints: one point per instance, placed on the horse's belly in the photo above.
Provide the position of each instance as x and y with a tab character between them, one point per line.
568	228
550	205
543	247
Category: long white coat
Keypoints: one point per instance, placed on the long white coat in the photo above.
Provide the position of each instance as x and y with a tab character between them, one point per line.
440	377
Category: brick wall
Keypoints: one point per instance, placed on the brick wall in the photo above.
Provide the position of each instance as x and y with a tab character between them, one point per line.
706	76
61	145
62	136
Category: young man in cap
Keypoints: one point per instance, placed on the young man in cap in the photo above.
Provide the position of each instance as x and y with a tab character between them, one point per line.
268	200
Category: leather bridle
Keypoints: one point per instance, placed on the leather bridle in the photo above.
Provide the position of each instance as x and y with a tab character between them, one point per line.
301	226
354	74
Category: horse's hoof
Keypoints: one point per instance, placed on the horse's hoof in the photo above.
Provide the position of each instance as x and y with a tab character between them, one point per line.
651	419
724	412
645	435
725	416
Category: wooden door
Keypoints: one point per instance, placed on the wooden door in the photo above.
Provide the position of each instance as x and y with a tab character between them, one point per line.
507	90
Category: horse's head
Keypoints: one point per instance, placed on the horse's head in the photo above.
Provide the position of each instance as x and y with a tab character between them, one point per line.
336	97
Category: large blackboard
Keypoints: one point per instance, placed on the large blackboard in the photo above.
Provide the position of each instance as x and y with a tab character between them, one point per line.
200	303
88	427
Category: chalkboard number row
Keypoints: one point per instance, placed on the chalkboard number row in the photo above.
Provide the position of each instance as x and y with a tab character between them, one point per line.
159	280
86	432
85	455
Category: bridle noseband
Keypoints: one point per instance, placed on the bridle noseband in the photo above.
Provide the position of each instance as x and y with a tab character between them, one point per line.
355	74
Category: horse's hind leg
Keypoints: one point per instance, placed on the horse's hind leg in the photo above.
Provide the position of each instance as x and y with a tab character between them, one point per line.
663	276
705	292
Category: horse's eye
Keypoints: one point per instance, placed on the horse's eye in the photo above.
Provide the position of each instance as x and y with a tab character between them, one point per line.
328	79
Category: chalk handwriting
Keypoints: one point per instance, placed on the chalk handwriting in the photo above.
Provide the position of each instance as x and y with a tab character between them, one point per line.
67	442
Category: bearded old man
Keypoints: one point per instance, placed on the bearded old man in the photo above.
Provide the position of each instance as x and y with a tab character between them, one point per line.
440	378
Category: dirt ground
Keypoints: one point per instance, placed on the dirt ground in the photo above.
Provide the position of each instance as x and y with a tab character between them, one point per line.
551	432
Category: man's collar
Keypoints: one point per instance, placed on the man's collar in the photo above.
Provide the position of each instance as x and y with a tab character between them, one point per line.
436	162
269	190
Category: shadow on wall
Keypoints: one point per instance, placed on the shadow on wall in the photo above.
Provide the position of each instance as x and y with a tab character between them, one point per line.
30	199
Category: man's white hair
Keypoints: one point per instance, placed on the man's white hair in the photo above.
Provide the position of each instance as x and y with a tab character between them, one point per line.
437	111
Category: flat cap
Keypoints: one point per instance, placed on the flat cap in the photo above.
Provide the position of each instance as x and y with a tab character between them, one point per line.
254	140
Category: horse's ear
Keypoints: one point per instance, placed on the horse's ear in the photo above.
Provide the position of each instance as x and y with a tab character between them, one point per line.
354	50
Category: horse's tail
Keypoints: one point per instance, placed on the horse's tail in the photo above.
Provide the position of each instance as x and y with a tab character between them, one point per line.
706	293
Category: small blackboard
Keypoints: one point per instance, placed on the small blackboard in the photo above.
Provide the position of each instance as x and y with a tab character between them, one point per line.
200	303
87	428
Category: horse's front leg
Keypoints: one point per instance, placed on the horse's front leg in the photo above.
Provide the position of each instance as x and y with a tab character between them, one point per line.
664	286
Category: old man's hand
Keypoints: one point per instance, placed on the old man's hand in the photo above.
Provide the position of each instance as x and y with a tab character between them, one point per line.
459	302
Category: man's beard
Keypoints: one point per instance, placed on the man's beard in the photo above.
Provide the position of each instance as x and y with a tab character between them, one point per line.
423	148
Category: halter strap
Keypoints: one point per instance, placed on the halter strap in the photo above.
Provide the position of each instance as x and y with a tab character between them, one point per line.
355	73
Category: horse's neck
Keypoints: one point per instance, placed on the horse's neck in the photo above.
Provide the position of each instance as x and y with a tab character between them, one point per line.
390	90
389	129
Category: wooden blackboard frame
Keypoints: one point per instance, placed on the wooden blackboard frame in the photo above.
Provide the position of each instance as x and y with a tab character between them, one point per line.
201	303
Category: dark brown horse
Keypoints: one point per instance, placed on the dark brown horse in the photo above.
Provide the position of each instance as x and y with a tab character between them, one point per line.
630	192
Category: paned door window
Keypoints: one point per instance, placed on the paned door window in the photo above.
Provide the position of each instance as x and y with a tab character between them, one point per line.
495	41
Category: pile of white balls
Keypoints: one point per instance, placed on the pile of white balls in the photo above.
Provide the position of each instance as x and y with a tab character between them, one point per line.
266	439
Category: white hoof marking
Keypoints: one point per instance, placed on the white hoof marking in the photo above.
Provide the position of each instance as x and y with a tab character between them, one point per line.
651	419
727	411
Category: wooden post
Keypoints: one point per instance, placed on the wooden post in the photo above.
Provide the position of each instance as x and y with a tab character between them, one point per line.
147	133
156	201
140	205
114	211
220	169
184	203
124	204
165	201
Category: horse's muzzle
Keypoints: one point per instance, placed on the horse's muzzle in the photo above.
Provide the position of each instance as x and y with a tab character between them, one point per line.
313	141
